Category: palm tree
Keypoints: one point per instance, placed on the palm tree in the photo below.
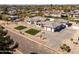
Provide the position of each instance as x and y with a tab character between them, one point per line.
7	45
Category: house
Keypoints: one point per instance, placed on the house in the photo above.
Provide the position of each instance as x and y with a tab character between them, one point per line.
13	17
76	17
64	14
12	11
48	24
74	14
56	14
51	19
1	11
52	25
36	20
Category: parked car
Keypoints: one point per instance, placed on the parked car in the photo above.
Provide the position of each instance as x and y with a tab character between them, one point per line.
59	28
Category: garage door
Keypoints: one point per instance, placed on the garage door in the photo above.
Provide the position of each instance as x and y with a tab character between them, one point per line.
48	29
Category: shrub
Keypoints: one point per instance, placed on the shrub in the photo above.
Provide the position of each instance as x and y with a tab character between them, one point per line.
65	47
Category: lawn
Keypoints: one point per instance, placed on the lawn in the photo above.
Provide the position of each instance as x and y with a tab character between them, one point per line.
32	31
20	27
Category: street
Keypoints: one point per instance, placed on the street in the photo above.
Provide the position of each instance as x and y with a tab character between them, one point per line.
28	46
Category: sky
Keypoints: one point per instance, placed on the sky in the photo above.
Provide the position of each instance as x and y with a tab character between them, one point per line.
39	2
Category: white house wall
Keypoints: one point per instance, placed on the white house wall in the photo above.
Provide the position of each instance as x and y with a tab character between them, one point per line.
52	30
44	28
48	29
52	19
76	19
56	15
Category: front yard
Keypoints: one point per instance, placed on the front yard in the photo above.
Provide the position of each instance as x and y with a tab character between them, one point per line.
32	31
20	27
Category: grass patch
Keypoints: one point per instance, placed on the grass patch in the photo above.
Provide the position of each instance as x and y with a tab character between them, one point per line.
20	27
32	31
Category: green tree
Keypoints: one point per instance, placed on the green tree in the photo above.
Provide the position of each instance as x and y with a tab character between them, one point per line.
0	17
7	45
71	39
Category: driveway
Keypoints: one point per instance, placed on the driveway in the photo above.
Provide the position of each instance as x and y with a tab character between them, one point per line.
55	39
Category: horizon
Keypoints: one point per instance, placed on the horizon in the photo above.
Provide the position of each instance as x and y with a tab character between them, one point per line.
38	4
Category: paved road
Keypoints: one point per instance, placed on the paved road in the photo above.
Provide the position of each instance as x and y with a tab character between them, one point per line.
28	46
55	39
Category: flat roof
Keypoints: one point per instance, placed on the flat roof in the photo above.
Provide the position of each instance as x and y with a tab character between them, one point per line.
54	23
37	18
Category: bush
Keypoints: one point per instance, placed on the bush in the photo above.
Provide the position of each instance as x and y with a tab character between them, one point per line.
75	42
0	17
65	47
71	39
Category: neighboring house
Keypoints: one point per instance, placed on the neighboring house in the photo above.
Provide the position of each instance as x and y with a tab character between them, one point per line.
13	14
35	12
64	14
56	14
51	19
36	20
74	14
76	17
13	17
1	11
46	12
